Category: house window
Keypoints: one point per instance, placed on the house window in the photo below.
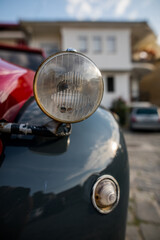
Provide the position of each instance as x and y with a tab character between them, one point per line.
110	84
50	48
83	44
97	44
111	44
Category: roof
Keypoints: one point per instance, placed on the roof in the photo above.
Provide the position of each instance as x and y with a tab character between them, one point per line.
109	24
23	48
139	29
143	25
9	26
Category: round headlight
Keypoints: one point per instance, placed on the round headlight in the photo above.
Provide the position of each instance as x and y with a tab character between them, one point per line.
68	87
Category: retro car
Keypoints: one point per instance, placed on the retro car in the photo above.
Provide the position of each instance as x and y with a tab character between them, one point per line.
145	118
64	166
22	55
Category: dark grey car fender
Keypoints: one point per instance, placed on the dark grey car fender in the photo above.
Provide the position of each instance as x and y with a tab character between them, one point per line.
46	184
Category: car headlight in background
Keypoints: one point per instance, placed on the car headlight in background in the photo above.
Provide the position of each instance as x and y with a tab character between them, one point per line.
68	87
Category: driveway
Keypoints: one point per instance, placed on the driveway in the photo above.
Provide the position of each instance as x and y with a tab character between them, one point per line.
144	203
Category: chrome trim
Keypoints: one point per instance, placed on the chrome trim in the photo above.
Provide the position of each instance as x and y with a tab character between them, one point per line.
71	50
51	129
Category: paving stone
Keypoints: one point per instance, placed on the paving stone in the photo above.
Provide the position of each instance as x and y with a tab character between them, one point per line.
144	204
131	204
146	211
150	232
157	196
132	233
146	184
144	196
130	216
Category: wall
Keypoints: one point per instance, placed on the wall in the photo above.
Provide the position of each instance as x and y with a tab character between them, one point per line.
121	59
122	89
115	62
50	42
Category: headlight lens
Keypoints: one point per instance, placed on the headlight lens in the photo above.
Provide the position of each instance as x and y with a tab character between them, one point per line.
68	87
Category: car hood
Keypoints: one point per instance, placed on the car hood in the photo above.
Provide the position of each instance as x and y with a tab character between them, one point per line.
53	178
87	147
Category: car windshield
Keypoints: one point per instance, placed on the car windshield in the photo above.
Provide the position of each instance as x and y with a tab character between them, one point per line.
30	60
147	111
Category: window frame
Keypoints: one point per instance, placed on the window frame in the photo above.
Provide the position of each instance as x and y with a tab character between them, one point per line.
111	44
110	86
83	40
97	40
50	48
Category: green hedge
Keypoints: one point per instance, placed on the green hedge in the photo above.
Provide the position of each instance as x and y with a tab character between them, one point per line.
120	107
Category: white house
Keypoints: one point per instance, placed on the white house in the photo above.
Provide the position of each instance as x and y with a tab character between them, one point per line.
121	50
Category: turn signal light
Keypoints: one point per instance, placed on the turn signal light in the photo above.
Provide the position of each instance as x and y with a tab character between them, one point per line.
106	193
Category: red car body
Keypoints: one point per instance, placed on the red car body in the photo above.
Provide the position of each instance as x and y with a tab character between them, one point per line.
16	87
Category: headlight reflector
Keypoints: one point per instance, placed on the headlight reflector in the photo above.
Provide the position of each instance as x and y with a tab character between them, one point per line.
68	87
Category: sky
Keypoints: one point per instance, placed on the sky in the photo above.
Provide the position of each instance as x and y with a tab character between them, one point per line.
12	11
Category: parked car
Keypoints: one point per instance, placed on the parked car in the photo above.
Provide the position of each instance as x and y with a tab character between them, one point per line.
145	118
64	167
23	56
